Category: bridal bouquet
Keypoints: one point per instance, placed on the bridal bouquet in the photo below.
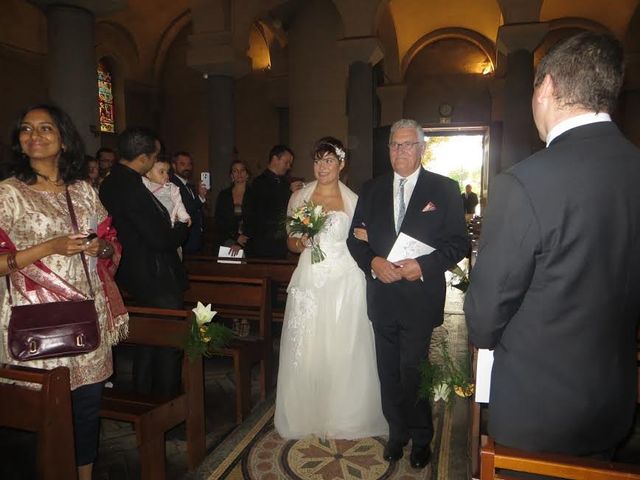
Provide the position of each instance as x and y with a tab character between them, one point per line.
309	220
205	336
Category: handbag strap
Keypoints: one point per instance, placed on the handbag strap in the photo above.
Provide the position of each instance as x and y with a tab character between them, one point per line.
74	223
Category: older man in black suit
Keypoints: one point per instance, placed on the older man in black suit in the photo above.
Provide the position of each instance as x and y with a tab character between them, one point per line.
556	287
405	298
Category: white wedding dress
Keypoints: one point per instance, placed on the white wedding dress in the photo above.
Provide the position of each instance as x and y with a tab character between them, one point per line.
327	381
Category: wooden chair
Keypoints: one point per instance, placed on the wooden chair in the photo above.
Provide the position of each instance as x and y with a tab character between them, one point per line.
152	416
495	456
46	411
239	297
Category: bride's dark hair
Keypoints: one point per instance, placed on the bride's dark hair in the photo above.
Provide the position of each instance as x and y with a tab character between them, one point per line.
329	145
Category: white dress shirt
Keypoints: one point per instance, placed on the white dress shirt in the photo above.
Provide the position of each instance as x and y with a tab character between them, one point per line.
577	121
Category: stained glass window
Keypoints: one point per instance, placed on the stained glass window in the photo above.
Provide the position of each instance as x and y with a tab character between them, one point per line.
105	98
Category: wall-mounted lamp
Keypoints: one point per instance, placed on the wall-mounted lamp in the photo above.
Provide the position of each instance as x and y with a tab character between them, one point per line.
486	68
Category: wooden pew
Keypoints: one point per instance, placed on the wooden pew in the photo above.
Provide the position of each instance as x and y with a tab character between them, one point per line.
495	456
46	411
279	271
238	297
152	416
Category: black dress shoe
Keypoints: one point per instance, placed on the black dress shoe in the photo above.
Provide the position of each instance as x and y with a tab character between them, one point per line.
420	457
393	451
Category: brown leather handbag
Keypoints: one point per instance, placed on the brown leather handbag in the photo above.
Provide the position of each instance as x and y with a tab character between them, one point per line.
55	329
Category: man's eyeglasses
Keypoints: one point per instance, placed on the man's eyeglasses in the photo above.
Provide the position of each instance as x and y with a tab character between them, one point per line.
328	161
404	146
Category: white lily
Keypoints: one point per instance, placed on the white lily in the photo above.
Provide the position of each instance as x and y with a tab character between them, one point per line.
203	314
441	392
317	210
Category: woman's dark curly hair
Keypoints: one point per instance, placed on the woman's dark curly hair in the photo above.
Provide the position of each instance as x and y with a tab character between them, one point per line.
71	165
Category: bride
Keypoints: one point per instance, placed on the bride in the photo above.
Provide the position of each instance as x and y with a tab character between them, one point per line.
327	381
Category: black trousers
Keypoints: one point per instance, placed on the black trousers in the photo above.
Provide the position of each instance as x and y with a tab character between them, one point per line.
158	370
400	350
85	406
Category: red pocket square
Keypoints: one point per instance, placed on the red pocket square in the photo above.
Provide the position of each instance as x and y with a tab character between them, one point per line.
429	207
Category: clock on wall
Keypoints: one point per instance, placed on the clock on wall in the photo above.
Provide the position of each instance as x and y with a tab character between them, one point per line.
445	110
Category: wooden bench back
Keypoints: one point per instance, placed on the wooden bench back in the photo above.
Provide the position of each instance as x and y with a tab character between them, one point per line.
234	297
279	271
47	411
158	327
495	456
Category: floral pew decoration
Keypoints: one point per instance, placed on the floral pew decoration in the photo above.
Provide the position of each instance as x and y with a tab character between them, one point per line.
205	337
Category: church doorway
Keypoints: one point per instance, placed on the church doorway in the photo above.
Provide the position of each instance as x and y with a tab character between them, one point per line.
460	153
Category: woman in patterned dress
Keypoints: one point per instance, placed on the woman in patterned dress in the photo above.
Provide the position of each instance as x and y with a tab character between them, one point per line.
48	158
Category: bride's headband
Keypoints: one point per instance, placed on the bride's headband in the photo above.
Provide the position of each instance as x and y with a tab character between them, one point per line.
340	153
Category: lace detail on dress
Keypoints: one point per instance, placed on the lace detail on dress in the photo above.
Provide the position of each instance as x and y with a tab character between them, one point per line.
300	325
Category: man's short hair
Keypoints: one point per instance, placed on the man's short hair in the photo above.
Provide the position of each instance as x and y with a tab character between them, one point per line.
102	150
278	151
135	141
407	123
180	154
587	71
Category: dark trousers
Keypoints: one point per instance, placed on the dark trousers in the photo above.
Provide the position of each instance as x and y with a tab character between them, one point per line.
400	351
158	370
85	406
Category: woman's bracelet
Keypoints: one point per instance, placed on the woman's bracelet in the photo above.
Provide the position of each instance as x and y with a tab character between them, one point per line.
106	251
11	262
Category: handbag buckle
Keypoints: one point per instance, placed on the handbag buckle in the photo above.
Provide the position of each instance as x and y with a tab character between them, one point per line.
33	346
80	340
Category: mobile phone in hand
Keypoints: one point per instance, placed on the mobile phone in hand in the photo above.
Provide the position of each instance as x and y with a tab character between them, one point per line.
205	179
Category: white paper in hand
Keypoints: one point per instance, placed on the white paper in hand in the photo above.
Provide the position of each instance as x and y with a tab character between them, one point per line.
224	253
408	247
483	375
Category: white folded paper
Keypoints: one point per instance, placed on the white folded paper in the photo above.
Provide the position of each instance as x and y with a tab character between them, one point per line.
483	375
225	252
408	247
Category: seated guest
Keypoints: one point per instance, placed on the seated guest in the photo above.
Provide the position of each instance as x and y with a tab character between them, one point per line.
230	207
151	269
267	207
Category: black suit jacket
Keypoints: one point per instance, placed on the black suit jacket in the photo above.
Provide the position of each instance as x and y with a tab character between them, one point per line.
194	207
556	292
227	221
469	202
150	266
443	228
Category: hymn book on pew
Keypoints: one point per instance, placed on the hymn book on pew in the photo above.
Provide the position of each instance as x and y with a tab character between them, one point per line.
225	255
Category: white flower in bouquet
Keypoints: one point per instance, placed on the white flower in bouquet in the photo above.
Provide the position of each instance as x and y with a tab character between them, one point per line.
441	392
203	314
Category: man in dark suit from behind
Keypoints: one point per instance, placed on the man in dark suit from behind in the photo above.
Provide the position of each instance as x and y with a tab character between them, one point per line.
556	287
194	199
267	206
150	268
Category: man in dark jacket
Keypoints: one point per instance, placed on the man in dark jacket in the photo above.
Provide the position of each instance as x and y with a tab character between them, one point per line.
555	290
150	268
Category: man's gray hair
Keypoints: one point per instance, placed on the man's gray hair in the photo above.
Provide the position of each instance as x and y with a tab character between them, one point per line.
407	123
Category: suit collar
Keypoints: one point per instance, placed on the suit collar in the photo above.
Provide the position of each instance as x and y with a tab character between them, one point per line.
586	131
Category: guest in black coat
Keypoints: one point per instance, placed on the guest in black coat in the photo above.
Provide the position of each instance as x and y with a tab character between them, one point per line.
231	207
150	268
469	200
555	290
194	199
267	208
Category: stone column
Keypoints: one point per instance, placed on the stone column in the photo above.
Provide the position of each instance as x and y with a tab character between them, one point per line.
391	98
518	42
361	54
71	61
222	132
